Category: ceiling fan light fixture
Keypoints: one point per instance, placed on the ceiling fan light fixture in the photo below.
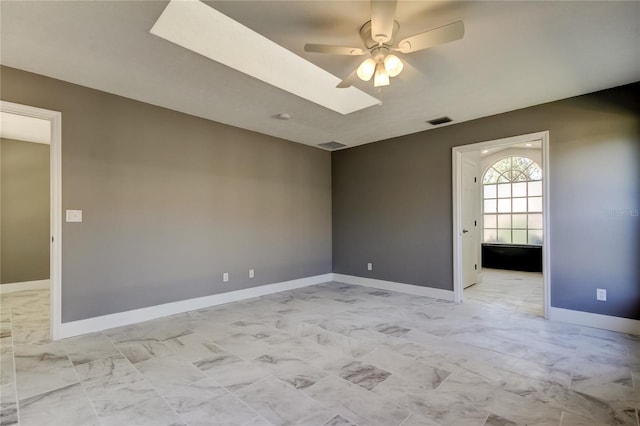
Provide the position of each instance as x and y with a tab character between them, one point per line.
366	69
378	36
393	65
381	77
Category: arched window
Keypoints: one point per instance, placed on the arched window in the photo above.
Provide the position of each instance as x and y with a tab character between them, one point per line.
512	202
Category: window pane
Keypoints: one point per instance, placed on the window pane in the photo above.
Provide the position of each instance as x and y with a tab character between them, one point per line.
520	163
513	185
534	172
490	236
535	221
519	236
490	206
504	190
504	178
535	188
504	236
490	221
491	176
535	236
504	205
503	165
519	205
489	191
519	189
535	204
520	221
504	221
519	178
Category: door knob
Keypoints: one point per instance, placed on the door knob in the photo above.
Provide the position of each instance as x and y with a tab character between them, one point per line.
464	231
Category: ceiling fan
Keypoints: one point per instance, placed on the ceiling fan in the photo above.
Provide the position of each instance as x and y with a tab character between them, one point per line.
379	38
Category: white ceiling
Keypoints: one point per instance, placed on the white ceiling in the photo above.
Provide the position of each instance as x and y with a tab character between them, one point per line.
534	145
23	128
193	24
513	55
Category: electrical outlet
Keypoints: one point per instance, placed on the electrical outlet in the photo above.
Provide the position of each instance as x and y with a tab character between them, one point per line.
601	294
252	273
225	277
369	266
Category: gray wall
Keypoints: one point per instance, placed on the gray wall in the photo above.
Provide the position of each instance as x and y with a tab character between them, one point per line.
392	200
172	201
24	211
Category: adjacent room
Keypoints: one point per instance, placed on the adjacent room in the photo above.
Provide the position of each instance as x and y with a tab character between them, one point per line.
504	218
267	213
25	223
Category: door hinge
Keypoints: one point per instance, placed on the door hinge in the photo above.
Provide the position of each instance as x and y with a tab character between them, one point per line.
52	238
475	266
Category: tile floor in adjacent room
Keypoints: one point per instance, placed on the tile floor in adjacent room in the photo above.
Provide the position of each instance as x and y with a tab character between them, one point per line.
330	354
514	290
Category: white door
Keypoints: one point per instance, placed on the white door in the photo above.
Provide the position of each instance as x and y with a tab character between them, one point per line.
469	225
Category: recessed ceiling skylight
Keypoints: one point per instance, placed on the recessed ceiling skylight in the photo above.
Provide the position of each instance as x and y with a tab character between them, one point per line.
202	29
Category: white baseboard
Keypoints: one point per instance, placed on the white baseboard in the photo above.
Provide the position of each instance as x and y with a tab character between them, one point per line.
606	322
23	286
417	290
91	325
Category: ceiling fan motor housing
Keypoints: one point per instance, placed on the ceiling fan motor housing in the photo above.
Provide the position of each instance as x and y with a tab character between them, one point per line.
379	52
370	43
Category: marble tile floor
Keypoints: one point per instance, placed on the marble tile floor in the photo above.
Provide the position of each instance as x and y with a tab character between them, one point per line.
515	290
330	354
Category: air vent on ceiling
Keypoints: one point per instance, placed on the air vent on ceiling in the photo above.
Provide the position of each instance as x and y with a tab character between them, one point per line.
440	120
331	145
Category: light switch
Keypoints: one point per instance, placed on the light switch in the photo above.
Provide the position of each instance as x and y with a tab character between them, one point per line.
74	215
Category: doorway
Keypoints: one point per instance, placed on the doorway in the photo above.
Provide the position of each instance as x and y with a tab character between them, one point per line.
34	117
518	227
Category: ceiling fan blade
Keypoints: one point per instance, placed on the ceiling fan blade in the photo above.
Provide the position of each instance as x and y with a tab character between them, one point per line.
348	81
383	14
441	35
409	72
334	50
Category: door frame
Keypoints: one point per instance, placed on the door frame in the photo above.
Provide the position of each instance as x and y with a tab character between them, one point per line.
55	205
457	209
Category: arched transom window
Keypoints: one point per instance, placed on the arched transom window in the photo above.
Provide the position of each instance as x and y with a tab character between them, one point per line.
512	202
